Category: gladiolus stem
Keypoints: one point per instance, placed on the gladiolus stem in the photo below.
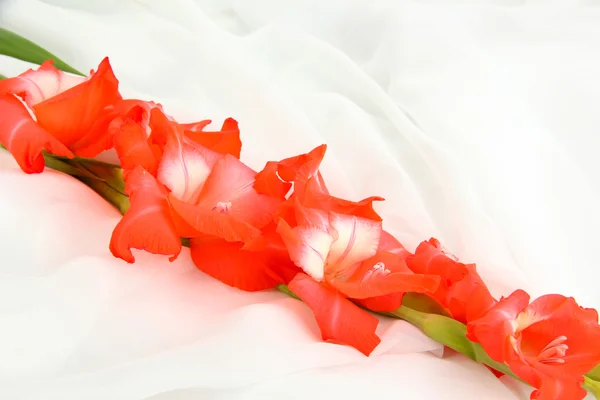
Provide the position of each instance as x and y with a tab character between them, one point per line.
592	386
450	333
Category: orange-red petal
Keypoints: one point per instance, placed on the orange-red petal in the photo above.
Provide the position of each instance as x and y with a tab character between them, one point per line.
246	270
298	169
390	244
24	138
268	182
469	298
384	274
133	149
493	329
71	115
339	320
229	187
315	197
225	141
147	224
388	303
211	222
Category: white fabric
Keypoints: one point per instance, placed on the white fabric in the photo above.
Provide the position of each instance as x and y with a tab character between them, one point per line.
477	122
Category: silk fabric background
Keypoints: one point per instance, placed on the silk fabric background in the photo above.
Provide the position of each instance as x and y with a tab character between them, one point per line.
477	122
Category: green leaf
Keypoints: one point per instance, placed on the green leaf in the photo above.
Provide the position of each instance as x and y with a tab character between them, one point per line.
16	46
2	77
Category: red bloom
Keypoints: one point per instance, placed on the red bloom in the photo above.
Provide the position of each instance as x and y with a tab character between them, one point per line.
146	138
550	343
336	243
49	110
462	291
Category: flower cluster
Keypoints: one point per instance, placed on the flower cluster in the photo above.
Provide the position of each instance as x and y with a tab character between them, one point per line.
281	226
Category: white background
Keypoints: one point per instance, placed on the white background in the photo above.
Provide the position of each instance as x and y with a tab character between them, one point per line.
478	122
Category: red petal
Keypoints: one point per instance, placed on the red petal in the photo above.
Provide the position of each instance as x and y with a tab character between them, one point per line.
268	182
38	85
549	387
493	329
383	274
230	264
387	303
431	259
469	298
226	141
305	216
133	149
552	316
229	187
338	319
147	223
161	128
390	244
71	115
315	197
497	374
303	166
99	137
110	121
24	138
196	126
214	223
298	169
184	166
182	227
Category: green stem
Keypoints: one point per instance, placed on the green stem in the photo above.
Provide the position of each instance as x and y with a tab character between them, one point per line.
286	290
594	373
114	197
592	386
450	333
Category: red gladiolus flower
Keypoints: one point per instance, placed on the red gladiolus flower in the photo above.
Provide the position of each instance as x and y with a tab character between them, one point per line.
336	243
462	291
550	343
197	184
49	110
